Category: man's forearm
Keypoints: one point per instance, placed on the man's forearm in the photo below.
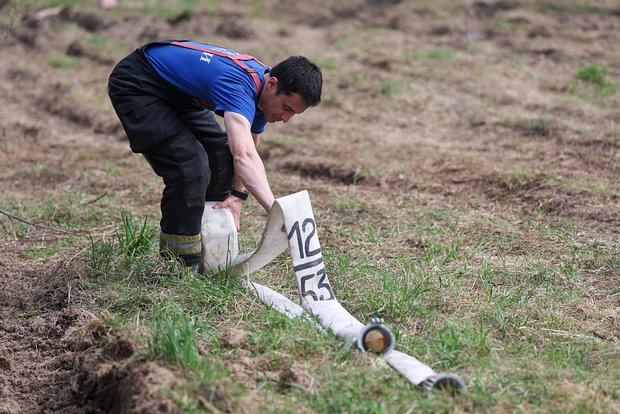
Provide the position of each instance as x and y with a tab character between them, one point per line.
238	183
249	167
250	171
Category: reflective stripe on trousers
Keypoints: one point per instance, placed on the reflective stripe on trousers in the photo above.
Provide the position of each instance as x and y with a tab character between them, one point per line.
180	245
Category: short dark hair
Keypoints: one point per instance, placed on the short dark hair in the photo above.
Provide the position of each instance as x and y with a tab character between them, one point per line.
297	74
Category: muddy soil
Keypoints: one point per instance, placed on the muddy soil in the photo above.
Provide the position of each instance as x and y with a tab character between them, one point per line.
449	144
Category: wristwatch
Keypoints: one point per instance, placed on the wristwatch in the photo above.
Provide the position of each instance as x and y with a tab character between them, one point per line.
240	194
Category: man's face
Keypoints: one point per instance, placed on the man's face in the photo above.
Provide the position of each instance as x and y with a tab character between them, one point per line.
280	107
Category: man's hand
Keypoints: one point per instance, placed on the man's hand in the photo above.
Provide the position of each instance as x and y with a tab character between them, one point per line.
234	204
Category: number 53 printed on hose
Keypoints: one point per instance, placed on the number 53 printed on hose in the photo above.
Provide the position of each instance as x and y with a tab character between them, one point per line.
308	261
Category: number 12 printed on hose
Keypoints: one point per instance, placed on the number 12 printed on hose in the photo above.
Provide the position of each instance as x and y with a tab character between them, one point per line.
315	275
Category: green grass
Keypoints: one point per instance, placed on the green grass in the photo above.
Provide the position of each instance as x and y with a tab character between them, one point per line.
353	80
52	3
593	84
580	7
391	87
595	187
433	54
169	9
135	240
595	75
325	63
62	61
99	43
174	337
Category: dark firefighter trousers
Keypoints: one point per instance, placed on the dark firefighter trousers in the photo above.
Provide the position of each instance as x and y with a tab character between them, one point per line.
183	144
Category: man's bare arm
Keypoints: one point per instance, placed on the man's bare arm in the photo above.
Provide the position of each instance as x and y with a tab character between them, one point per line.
237	183
249	167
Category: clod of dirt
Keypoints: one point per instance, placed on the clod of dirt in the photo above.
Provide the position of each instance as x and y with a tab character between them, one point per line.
248	370
550	53
53	103
139	388
5	360
320	170
151	33
120	386
382	3
180	18
273	149
20	131
321	18
214	398
345	10
86	20
540	31
484	9
441	30
287	378
110	128
77	49
533	127
234	338
120	348
233	29
24	35
141	391
295	376
20	75
55	296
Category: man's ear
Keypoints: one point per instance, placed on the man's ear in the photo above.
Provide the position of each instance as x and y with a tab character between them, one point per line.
273	82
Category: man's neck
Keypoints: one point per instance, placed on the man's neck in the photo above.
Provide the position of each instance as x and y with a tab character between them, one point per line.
266	77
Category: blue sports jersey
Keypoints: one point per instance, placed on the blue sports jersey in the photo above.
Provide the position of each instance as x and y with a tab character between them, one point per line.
218	82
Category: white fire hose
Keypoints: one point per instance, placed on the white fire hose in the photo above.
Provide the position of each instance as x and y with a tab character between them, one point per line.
291	225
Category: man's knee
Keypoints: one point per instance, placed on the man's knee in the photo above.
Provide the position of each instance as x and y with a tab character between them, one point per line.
187	175
195	182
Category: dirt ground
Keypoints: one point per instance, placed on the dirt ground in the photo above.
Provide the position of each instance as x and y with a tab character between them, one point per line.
489	125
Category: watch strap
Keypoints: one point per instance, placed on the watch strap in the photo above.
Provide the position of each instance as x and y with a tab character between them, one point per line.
240	194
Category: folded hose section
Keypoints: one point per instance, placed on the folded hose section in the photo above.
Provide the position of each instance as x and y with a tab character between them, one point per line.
291	224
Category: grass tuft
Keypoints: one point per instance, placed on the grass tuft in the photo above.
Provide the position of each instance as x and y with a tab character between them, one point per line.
434	54
62	61
174	337
134	239
595	75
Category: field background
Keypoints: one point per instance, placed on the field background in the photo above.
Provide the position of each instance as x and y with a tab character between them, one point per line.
464	168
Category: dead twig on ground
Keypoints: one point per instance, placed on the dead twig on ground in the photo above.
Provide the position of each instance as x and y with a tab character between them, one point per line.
13	217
